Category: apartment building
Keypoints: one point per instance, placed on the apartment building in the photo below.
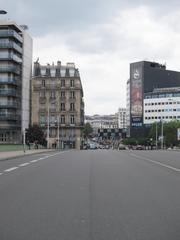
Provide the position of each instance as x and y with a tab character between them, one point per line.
15	75
57	104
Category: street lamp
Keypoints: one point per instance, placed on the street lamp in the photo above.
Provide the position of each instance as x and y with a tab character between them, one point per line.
156	136
48	128
162	135
58	131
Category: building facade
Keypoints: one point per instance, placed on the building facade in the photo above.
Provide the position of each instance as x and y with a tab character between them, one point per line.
57	104
162	104
102	122
15	75
122	120
144	78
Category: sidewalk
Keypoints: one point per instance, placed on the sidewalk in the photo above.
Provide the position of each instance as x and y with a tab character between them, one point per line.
16	154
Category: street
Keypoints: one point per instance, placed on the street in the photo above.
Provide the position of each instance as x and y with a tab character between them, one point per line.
91	195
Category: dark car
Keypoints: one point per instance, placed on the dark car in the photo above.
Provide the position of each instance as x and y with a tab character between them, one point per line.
139	147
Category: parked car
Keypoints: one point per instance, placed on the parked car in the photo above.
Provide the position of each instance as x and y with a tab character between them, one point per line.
139	147
92	146
121	147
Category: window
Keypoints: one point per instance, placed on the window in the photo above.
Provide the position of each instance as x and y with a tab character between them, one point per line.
71	106
53	94
42	119
63	119
62	82
72	83
62	94
72	120
43	83
42	94
62	106
72	94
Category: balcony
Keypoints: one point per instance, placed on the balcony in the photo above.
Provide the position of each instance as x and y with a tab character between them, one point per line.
11	33
8	92
10	68
9	105
11	57
11	45
10	81
9	117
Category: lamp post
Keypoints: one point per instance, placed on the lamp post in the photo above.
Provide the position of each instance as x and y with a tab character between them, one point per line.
48	128
58	130
162	135
156	136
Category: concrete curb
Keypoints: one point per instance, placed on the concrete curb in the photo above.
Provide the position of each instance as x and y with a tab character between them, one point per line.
25	154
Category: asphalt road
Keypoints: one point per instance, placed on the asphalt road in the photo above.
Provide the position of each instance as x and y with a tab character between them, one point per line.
91	195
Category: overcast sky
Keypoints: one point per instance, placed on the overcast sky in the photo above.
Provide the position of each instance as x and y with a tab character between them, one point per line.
101	37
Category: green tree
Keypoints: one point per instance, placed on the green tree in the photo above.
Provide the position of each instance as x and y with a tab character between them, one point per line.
129	141
87	130
35	134
169	132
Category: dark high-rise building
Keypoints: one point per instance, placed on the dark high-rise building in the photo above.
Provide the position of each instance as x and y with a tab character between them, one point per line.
15	75
144	77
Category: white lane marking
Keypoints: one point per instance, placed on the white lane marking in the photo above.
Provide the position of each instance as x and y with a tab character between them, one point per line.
11	169
24	164
156	162
33	161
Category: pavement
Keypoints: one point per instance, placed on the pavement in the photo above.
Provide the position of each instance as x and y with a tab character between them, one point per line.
91	195
15	154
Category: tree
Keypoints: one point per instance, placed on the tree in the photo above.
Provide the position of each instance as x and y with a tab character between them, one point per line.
87	130
35	134
169	132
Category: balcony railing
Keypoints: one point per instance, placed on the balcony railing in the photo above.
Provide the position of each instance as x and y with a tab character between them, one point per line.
10	68
10	33
11	45
13	117
11	57
8	92
9	105
13	81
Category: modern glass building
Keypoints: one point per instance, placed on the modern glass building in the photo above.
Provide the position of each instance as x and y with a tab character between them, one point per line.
144	78
15	75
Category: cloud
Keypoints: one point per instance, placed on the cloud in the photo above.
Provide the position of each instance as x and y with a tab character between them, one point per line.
102	37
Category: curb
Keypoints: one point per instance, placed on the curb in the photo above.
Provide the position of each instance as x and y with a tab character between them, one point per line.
24	154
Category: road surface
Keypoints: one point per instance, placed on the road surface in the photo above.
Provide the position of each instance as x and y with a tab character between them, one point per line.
91	195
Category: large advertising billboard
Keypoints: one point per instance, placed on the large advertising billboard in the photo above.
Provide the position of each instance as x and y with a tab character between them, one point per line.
136	96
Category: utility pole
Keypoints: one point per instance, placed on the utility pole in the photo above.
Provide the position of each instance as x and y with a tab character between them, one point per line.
48	128
58	131
156	136
162	135
24	140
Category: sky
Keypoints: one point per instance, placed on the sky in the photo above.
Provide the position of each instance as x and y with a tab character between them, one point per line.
102	37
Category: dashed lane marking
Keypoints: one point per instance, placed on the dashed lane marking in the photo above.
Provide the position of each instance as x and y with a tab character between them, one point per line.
11	169
24	164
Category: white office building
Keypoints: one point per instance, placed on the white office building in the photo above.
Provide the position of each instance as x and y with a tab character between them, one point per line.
122	121
162	104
